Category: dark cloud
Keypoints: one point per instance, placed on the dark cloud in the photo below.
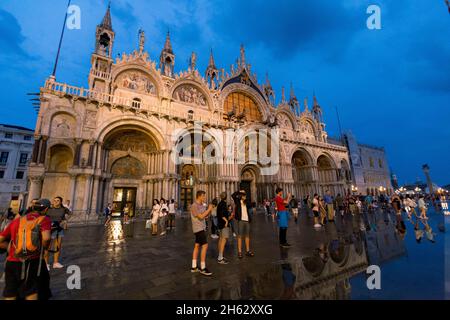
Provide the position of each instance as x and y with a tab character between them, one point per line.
285	27
11	36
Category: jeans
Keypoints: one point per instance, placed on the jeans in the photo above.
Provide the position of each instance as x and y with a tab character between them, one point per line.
283	232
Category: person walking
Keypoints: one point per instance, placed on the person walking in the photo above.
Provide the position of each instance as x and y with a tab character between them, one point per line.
369	201
164	209
26	275
410	207
316	210
155	216
293	204
223	216
339	204
329	205
422	208
323	211
214	220
107	213
199	214
58	215
283	216
267	206
172	211
242	215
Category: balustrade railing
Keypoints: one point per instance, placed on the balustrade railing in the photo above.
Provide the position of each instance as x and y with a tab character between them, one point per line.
116	100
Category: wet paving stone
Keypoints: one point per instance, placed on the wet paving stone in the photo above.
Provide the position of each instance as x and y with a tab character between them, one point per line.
322	264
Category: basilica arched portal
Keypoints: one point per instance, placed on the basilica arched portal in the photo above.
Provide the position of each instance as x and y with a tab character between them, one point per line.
130	159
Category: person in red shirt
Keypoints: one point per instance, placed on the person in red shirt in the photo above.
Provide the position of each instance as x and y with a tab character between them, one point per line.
283	216
34	285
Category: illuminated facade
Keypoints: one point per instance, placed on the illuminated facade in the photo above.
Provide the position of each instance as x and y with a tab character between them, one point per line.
112	142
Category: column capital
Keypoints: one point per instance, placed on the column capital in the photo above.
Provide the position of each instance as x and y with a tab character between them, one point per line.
36	178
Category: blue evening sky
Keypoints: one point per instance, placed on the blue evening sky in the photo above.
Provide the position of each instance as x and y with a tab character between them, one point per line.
392	86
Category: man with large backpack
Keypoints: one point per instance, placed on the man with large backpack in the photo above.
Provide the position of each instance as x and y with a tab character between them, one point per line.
26	274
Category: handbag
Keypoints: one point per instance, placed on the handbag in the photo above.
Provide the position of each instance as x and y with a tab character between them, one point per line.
148	224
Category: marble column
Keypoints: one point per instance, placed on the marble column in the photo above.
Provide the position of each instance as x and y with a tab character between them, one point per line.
73	181
76	158
93	206
36	147
43	151
90	160
35	189
87	194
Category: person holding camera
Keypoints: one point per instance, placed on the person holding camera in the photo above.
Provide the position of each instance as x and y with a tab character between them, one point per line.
199	214
243	219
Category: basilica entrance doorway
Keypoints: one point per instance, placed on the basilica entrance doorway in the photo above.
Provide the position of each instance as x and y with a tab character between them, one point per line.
247	186
124	201
187	184
248	183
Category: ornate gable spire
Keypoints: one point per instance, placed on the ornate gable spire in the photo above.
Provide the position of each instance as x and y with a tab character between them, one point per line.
211	63
193	61
242	58
167	58
293	102
212	73
283	96
106	22
268	90
168	44
317	110
141	41
306	105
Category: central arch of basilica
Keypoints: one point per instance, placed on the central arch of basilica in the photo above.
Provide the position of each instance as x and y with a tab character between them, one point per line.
113	142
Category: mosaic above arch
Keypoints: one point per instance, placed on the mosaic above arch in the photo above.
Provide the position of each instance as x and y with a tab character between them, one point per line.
137	81
190	94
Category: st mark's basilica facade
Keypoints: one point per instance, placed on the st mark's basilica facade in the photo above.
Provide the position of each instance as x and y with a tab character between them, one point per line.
113	142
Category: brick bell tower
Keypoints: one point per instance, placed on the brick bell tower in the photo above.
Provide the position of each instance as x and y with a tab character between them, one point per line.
101	59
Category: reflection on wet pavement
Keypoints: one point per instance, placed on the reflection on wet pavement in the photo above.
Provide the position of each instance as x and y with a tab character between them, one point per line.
123	261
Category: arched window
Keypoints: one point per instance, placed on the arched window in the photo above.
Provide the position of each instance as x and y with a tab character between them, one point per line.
136	103
242	104
380	163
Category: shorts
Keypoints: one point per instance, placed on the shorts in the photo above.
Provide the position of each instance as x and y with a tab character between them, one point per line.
171	216
200	238
243	228
316	213
32	284
224	233
59	234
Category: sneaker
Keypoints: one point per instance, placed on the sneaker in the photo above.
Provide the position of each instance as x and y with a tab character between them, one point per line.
57	265
194	270
222	261
162	233
317	225
206	272
286	245
214	236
